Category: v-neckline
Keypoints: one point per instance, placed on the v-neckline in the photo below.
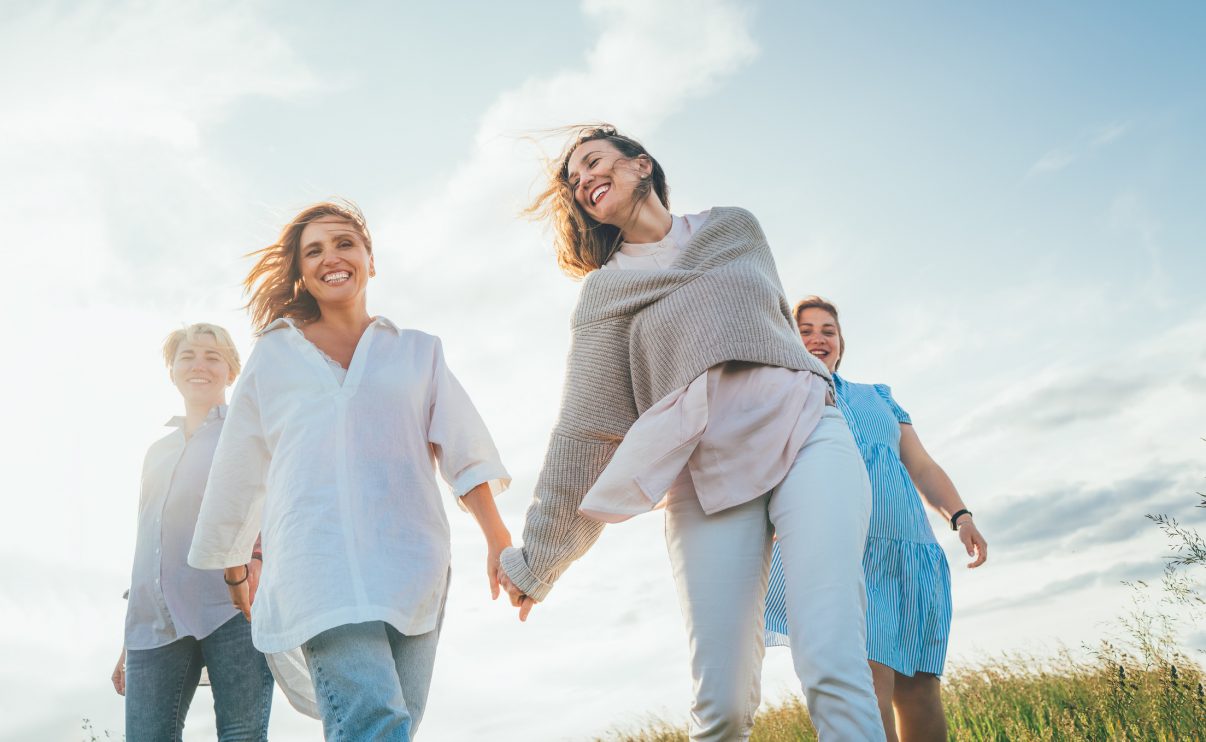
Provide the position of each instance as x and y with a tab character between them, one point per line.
318	357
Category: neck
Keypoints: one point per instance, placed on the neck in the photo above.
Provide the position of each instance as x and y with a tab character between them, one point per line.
195	414
352	317
650	223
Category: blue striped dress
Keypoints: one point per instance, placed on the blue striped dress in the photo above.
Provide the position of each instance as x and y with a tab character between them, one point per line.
908	579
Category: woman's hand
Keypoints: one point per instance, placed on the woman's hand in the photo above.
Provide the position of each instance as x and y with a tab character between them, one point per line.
119	674
976	546
521	601
494	547
240	593
254	567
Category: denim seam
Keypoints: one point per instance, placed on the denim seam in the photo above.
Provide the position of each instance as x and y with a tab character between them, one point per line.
177	721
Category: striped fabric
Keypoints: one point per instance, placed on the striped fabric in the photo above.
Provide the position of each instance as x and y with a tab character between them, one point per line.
908	579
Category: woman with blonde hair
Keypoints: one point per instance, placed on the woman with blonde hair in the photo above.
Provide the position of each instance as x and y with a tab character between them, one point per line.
685	376
908	580
180	619
330	448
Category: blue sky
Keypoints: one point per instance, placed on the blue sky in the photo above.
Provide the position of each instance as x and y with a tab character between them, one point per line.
1004	201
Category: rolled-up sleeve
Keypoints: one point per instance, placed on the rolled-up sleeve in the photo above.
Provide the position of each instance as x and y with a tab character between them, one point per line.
229	522
462	445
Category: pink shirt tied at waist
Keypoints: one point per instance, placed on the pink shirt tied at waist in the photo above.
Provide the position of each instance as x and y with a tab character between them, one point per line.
737	427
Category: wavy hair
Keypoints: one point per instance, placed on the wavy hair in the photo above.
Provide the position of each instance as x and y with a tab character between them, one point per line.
274	285
583	244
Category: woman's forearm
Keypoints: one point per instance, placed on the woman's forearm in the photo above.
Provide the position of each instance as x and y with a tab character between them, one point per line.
936	488
938	491
480	503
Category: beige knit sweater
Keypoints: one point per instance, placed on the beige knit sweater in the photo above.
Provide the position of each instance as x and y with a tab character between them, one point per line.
636	336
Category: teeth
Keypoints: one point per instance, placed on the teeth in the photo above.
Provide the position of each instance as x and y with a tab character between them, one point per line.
336	276
597	194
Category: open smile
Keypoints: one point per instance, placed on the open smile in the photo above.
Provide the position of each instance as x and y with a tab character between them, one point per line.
597	195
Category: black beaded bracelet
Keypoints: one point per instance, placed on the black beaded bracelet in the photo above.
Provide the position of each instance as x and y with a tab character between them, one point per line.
955	517
246	574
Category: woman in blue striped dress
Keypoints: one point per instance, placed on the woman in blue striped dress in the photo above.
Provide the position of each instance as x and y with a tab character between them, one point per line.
908	581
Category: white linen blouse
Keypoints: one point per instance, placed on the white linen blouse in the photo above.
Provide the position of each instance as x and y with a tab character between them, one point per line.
339	478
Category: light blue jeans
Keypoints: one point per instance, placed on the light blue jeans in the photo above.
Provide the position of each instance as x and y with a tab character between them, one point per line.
160	683
371	680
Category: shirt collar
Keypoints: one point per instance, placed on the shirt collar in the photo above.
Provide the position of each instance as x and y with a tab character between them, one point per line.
280	322
838	382
217	412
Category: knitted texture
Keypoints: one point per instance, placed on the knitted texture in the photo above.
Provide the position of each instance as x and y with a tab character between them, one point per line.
636	336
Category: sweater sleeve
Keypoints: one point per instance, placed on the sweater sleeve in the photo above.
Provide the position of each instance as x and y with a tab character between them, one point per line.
555	533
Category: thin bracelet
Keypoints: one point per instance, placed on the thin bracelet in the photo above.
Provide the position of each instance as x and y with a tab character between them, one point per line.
955	517
258	555
246	574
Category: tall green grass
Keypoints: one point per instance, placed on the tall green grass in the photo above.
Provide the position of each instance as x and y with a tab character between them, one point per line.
1113	695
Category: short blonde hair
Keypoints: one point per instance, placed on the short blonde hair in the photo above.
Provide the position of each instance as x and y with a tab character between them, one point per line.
226	347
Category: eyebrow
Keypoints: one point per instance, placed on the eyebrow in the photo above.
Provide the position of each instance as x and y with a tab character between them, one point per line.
340	233
570	174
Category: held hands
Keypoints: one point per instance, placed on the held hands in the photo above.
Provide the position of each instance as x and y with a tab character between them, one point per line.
976	546
523	602
494	547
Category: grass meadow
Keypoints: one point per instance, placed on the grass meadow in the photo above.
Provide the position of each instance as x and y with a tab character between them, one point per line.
1113	696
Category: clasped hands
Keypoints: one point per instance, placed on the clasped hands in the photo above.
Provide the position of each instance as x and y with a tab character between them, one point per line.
500	582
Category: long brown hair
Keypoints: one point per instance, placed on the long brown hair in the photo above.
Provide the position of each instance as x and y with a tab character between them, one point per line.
816	302
274	285
582	243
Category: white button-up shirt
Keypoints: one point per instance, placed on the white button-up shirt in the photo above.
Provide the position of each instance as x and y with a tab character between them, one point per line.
339	478
170	600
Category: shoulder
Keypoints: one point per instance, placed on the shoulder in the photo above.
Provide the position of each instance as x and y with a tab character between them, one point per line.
161	447
418	339
732	214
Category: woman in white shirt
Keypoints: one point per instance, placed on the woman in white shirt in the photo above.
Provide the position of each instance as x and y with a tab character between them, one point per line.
330	449
180	619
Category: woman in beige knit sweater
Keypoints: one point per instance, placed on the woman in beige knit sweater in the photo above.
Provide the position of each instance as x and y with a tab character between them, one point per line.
686	382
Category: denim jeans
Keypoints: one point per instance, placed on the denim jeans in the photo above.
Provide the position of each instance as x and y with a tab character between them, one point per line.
160	683
371	680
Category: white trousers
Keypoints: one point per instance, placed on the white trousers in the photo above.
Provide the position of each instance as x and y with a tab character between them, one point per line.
820	512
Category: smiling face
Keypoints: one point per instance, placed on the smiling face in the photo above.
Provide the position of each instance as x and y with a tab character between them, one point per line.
200	371
335	261
604	182
821	335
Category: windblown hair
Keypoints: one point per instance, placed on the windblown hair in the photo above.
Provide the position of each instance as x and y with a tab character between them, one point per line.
274	285
226	347
816	302
583	244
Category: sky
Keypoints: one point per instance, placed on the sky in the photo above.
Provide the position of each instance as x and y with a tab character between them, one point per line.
1004	201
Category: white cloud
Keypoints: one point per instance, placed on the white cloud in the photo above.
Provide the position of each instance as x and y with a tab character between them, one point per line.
1055	160
118	74
1087	143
